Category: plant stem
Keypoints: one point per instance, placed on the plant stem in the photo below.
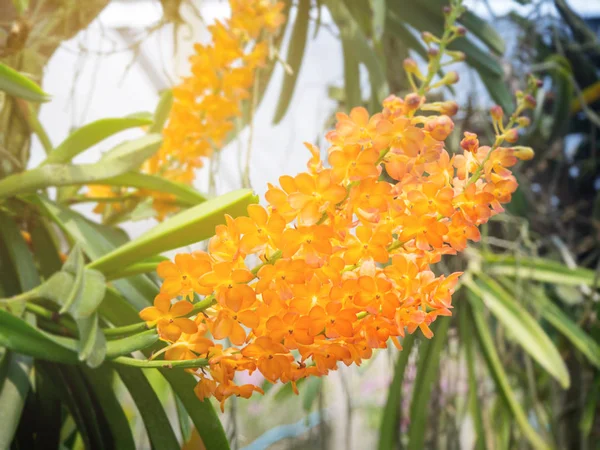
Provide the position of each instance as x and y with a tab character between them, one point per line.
127	329
144	364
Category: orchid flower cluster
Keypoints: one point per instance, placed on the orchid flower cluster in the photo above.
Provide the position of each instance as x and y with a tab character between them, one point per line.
206	103
345	249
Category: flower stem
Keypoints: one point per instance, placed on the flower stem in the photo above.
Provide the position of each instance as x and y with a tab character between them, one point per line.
144	364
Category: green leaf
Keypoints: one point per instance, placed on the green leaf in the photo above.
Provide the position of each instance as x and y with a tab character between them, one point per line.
101	381
589	411
183	193
203	415
538	269
146	145
155	419
48	405
466	337
45	247
75	392
14	387
67	174
148	265
498	90
18	85
189	226
427	374
561	73
311	390
351	32
351	76
92	343
362	14
184	420
163	109
97	240
563	323
130	344
19	253
116	309
388	430
18	335
294	59
90	134
521	325
499	375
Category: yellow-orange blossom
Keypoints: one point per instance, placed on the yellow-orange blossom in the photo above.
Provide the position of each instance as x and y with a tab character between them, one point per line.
348	253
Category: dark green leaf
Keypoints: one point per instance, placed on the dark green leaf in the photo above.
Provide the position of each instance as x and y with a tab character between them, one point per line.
48	412
116	309
18	335
189	226
45	247
90	134
521	325
101	381
18	85
14	387
155	419
388	430
427	374
92	343
203	415
497	371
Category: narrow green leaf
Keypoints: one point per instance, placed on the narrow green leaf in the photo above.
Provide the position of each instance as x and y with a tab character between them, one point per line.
521	325
189	226
427	374
563	323
497	371
45	248
92	343
14	388
130	344
18	85
351	76
466	336
101	381
90	134
350	31
155	419
183	193
184	420
146	145
74	265
388	430
49	408
538	269
294	59
18	335
589	411
116	310
67	174
203	415
20	255
498	90
162	111
73	389
148	265
97	240
362	14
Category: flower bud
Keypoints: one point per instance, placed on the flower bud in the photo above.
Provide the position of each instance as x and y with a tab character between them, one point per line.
451	78
411	67
439	127
523	121
456	55
523	153
428	38
449	108
497	113
413	101
511	135
447	10
530	102
432	52
470	143
461	31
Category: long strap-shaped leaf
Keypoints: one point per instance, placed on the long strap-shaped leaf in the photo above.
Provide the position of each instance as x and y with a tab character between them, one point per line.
155	419
187	227
294	60
388	430
14	386
494	364
90	134
427	374
521	325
